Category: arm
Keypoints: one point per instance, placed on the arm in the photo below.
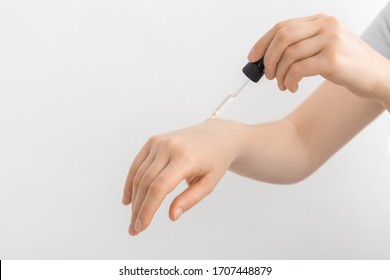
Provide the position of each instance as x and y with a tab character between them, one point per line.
284	151
321	45
289	150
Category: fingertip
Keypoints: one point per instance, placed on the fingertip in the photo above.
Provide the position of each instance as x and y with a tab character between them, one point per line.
294	89
171	214
138	225
252	55
179	211
126	196
281	87
175	211
267	75
131	230
126	201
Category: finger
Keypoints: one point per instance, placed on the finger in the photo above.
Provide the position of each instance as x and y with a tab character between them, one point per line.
168	179
192	196
285	37
139	174
296	52
138	160
150	175
304	68
259	48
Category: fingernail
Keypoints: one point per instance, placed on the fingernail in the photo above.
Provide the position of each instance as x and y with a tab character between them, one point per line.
295	88
252	54
178	213
138	225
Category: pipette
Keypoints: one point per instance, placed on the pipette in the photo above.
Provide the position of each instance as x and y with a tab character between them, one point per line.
253	72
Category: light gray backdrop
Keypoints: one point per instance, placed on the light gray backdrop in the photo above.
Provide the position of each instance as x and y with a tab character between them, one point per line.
83	84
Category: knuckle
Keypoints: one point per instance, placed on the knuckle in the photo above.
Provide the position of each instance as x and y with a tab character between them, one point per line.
278	26
289	54
334	39
154	138
321	15
282	36
294	70
171	143
188	156
176	146
142	187
136	180
157	188
145	182
161	141
332	22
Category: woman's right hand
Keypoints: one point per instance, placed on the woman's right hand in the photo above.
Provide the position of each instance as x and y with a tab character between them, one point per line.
321	45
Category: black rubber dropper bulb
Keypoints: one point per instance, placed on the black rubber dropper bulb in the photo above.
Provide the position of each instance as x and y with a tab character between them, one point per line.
254	70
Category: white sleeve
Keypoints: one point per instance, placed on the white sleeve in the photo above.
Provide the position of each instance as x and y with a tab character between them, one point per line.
377	35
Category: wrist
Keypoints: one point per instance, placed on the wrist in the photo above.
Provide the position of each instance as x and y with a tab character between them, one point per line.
235	137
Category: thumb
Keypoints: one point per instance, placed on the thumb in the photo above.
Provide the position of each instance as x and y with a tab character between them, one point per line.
192	196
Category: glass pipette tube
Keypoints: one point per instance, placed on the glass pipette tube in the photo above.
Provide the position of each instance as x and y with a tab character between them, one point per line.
229	98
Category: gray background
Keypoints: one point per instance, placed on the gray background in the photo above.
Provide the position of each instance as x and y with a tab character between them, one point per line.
83	84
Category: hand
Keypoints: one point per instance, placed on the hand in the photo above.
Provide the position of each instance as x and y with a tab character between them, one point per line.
200	155
321	45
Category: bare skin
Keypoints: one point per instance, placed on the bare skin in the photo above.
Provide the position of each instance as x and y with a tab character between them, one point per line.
281	152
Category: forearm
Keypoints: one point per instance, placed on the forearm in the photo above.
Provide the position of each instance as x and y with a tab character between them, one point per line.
274	153
289	150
